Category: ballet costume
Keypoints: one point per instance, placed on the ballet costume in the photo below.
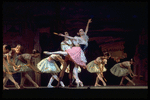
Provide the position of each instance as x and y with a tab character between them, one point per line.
75	74
92	67
24	68
119	71
50	66
11	69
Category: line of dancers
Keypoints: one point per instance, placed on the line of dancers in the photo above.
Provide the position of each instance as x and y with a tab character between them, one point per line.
72	50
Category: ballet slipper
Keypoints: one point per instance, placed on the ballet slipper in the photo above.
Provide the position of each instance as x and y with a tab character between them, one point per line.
62	84
50	86
17	86
4	88
77	82
22	87
81	83
97	84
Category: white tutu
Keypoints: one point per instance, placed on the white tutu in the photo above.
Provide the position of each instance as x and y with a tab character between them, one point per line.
46	66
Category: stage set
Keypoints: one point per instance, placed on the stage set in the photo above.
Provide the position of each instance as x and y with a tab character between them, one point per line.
111	38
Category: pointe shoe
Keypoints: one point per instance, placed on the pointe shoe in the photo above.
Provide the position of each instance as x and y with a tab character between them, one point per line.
36	85
50	86
97	85
81	84
17	86
133	84
4	88
104	84
62	84
77	82
22	87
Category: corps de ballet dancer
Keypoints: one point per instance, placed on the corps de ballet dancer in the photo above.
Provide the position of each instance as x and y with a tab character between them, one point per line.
25	60
48	65
98	66
122	70
9	67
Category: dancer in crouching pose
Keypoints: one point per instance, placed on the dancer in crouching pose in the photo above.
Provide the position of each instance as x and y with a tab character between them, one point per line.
25	60
122	70
98	66
9	66
48	65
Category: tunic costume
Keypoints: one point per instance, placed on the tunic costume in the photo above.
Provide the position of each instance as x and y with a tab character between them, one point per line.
119	71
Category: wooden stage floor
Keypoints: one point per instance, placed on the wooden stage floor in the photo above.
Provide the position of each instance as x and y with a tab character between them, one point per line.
86	92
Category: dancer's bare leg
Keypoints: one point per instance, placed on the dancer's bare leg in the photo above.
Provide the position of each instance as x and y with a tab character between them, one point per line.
100	77
61	75
22	82
30	79
122	80
56	77
5	79
12	79
71	72
97	80
129	80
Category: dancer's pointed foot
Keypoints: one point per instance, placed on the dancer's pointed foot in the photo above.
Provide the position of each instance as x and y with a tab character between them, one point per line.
17	86
22	87
4	88
36	85
121	84
104	84
97	84
50	86
71	85
133	84
62	84
81	84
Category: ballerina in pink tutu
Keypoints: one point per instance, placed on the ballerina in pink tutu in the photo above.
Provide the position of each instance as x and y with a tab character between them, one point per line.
74	55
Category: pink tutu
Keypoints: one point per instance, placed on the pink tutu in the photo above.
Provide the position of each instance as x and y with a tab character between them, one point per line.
75	54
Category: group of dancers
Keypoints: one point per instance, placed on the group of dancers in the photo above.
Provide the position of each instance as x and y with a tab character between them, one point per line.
71	58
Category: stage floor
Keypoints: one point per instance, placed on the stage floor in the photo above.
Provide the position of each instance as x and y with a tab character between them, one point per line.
88	87
86	92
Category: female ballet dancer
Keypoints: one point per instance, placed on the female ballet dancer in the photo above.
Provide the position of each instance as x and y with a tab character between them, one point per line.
48	65
122	70
82	40
25	60
9	66
98	66
73	56
67	44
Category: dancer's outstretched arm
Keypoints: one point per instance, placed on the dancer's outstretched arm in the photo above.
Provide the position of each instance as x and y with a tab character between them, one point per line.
31	66
12	63
87	26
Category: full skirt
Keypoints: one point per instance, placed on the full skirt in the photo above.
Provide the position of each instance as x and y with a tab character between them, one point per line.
46	66
119	71
94	68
